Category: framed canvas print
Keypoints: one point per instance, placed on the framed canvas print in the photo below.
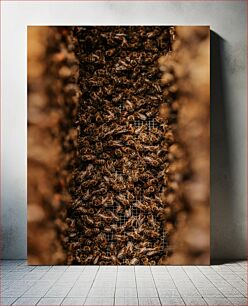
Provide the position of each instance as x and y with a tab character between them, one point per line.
118	145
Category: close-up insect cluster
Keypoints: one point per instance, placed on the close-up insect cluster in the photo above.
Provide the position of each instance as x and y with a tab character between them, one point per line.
115	160
117	215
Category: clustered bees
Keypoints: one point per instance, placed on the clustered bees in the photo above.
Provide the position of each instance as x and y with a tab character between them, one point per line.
118	150
117	215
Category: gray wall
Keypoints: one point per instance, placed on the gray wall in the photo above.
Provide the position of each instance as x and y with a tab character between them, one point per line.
228	109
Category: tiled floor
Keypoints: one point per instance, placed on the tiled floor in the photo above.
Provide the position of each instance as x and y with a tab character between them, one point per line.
93	285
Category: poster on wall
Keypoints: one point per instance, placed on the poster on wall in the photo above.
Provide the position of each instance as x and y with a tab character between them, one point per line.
118	145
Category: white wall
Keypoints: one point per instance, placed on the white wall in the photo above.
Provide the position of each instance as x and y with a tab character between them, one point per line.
228	110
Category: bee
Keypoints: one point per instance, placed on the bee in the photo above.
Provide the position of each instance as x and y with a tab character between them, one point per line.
119	186
100	161
114	143
130	196
151	233
113	216
130	222
89	183
110	52
128	213
101	240
122	254
124	42
138	146
107	229
129	105
96	202
143	250
120	238
143	137
104	217
151	221
95	261
126	137
114	260
105	257
119	209
134	261
118	98
122	200
134	235
100	224
124	63
154	208
86	249
121	131
126	150
88	220
89	157
99	147
89	259
130	118
87	241
72	234
152	182
88	232
112	247
150	190
140	129
140	220
151	34
153	252
135	176
114	227
108	200
90	211
110	116
141	116
145	261
151	161
144	244
130	142
140	206
118	153
99	191
82	210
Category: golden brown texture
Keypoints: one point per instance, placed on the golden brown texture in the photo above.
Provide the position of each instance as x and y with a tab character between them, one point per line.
52	99
186	71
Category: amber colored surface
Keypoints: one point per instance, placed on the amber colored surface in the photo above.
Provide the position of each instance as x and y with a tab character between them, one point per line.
187	69
52	98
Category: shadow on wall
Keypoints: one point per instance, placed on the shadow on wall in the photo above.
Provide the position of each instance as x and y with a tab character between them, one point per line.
222	178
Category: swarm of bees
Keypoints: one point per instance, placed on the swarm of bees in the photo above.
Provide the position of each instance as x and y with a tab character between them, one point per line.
119	146
116	215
